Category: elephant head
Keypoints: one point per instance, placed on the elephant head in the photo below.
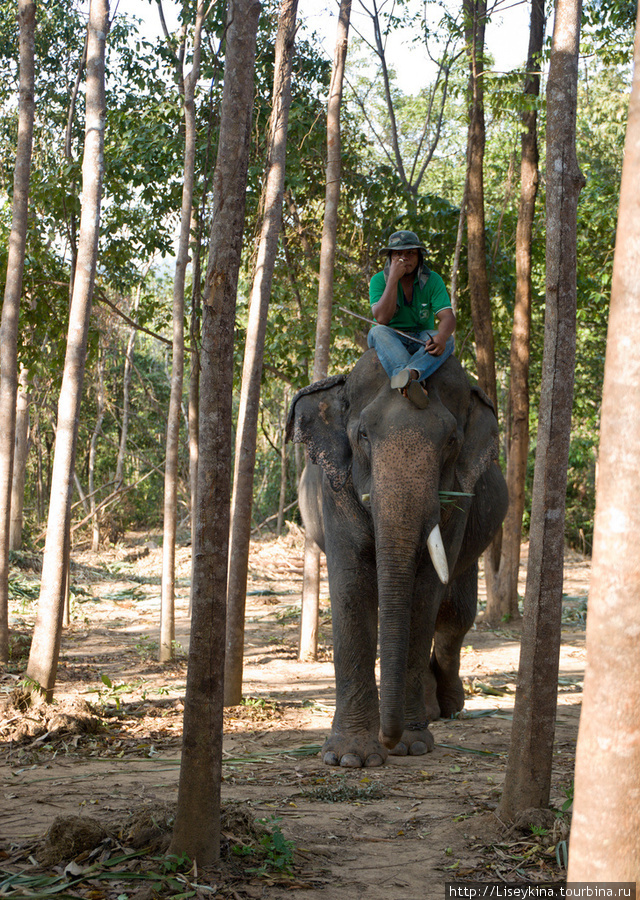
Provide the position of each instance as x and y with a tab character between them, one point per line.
386	464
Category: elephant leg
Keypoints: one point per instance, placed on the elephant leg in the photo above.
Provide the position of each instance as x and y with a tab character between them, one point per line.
353	741
420	682
455	618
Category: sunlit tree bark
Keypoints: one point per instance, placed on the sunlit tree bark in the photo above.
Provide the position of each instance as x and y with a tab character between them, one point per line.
605	829
45	647
528	779
11	303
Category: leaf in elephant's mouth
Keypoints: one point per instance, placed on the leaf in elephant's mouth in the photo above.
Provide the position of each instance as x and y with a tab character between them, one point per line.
451	496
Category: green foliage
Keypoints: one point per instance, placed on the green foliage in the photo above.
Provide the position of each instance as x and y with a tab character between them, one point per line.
111	692
157	876
274	852
609	28
142	195
568	792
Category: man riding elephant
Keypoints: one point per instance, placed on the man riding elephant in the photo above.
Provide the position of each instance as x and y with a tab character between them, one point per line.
408	296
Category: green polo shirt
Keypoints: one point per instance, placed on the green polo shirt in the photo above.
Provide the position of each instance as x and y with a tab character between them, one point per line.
429	297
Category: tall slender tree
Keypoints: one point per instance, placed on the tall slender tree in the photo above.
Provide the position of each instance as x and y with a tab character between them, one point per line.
93	450
502	602
475	19
11	304
308	648
528	779
126	397
45	647
246	432
197	826
187	86
21	452
605	829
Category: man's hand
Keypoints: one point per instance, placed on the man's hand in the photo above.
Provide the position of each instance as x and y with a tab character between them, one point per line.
400	266
436	345
446	326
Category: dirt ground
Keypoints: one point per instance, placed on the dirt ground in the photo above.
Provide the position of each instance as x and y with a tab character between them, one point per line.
108	751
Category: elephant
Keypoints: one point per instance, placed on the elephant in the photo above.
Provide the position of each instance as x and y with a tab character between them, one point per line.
402	501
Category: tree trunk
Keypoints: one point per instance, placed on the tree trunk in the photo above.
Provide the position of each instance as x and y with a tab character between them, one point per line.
310	606
197	825
455	267
605	831
194	393
126	394
282	499
95	540
21	451
194	339
45	647
11	304
475	15
528	779
246	432
72	223
66	601
503	602
332	197
168	591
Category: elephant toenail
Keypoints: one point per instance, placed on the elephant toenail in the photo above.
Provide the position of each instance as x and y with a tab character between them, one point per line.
418	748
351	761
331	759
400	749
374	760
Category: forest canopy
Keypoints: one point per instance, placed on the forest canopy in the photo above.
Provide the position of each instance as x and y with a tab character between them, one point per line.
417	183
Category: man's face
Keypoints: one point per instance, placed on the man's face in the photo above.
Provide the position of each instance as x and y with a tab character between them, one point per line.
408	257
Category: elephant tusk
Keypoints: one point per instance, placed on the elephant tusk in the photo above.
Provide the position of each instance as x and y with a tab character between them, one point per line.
438	555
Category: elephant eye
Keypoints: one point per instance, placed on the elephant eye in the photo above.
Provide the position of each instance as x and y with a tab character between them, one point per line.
362	434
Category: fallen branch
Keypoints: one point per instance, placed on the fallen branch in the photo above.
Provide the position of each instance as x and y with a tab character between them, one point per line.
256	528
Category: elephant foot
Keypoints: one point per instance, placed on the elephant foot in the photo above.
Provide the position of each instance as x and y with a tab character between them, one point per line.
450	698
414	742
432	709
353	751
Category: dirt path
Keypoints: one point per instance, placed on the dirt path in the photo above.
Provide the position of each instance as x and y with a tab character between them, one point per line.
400	831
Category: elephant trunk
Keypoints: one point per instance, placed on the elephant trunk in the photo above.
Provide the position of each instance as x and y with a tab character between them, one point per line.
395	591
405	509
396	576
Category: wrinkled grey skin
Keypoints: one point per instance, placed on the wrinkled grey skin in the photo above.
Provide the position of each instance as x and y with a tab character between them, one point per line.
370	502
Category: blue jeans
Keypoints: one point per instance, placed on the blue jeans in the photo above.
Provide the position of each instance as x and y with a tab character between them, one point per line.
397	352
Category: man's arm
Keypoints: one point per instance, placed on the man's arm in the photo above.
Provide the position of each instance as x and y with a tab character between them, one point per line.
385	308
446	326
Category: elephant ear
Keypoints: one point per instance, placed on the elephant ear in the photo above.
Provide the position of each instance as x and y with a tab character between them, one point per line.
317	418
481	440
